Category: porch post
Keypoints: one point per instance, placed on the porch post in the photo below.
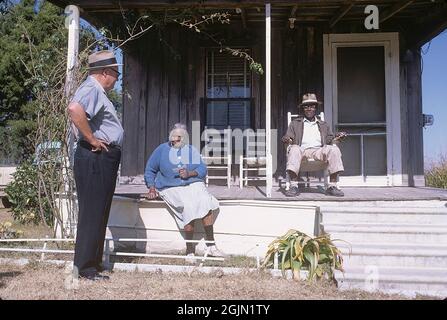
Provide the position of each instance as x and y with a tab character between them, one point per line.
268	99
72	23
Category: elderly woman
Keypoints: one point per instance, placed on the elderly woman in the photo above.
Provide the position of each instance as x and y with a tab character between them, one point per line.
175	172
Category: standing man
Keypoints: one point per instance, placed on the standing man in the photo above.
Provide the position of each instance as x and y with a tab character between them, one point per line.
96	161
310	137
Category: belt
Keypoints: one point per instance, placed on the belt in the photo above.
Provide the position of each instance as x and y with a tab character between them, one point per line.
88	146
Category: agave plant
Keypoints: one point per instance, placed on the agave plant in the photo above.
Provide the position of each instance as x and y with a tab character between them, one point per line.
297	251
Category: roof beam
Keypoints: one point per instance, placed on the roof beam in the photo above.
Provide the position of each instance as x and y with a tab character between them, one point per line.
391	11
341	13
428	28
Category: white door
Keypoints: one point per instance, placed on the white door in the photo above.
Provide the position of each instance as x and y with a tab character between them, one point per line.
362	98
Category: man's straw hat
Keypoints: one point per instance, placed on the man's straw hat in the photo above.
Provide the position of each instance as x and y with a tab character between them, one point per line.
309	98
102	59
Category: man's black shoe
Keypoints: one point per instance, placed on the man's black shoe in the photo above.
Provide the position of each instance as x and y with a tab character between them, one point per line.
101	268
334	191
95	277
292	192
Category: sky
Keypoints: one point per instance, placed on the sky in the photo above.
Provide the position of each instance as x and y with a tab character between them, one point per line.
434	96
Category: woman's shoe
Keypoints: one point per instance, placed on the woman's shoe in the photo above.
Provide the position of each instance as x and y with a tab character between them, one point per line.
212	251
190	258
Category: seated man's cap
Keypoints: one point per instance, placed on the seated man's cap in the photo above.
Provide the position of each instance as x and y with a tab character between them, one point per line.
309	98
102	59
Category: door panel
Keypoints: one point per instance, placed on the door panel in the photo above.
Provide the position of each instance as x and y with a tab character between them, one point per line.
361	84
361	109
362	97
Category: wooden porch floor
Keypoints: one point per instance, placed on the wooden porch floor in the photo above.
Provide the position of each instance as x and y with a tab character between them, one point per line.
311	194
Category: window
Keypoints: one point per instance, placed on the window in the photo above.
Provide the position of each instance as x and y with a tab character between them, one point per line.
228	91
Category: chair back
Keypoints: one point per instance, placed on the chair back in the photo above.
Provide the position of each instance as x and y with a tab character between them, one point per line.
218	145
291	116
255	147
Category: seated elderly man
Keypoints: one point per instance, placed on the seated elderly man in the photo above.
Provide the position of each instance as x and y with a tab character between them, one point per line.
310	137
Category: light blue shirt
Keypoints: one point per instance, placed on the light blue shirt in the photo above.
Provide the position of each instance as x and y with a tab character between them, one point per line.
100	112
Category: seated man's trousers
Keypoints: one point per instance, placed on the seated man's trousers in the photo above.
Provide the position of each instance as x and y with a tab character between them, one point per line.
328	153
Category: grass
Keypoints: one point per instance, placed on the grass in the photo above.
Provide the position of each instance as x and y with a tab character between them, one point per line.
230	261
41	281
436	174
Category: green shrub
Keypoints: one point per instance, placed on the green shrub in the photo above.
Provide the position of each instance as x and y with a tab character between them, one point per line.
23	194
436	175
297	251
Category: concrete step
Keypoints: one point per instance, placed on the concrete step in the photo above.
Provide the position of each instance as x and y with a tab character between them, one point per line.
385	204
411	248
397	260
406	281
399	227
414	238
396	255
441	209
388	215
387	232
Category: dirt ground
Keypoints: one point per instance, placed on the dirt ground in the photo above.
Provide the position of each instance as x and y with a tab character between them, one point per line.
37	281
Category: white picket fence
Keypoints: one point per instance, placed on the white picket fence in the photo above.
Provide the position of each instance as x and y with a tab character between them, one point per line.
107	251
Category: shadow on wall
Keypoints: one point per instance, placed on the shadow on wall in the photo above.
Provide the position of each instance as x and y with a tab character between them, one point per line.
125	222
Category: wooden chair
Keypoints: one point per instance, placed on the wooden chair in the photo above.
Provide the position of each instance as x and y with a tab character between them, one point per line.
217	154
310	165
254	158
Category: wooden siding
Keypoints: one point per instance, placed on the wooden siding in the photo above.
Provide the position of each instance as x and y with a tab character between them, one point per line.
160	89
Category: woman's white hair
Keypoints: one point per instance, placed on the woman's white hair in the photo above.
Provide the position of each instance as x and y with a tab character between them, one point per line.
179	129
179	125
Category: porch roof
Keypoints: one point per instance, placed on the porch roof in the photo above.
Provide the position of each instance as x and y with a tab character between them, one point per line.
422	19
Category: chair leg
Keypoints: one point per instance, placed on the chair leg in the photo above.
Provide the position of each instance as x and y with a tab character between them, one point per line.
241	172
229	171
326	179
287	181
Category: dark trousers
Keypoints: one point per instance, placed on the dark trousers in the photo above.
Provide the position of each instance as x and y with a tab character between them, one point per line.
95	175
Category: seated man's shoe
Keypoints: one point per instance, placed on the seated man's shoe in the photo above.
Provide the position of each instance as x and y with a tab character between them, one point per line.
190	259
212	251
94	277
334	191
292	192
